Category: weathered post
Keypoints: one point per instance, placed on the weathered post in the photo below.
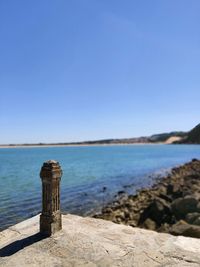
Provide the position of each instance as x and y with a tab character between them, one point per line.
50	219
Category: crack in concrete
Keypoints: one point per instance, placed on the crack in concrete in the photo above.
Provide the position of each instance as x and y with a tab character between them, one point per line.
152	258
183	259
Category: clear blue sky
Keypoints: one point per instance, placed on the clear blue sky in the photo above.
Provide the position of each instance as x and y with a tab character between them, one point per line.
75	70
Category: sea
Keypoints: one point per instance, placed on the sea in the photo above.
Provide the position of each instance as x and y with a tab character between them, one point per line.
92	175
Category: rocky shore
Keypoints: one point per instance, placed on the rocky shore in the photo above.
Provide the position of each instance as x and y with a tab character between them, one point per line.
171	205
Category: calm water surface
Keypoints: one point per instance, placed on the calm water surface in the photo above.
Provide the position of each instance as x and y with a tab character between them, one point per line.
86	171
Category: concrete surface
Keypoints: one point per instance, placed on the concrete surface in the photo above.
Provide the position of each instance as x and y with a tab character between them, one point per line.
92	242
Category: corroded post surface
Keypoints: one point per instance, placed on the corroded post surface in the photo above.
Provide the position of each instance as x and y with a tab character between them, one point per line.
50	219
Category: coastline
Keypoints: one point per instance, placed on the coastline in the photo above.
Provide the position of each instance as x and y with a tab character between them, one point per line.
171	205
79	145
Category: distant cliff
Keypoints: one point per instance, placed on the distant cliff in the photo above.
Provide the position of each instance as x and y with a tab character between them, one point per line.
192	137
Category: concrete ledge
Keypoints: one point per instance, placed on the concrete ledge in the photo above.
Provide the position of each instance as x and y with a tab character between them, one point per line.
94	242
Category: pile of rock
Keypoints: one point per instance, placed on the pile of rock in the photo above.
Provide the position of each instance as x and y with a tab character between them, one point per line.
171	205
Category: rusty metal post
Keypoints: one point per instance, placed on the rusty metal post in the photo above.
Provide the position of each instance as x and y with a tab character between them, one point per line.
50	219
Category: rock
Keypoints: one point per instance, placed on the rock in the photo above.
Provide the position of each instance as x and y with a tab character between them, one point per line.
158	211
164	228
174	190
198	207
134	216
165	197
150	224
132	223
120	215
191	217
182	206
107	210
197	221
170	189
121	192
185	230
104	188
162	190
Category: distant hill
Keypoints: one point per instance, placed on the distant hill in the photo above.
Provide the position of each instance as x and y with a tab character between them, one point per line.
177	137
156	138
193	136
163	137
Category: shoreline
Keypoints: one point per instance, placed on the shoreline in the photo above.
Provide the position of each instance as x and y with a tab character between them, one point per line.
171	205
79	145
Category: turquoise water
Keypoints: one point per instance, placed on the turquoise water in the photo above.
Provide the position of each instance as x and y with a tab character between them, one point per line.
86	171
